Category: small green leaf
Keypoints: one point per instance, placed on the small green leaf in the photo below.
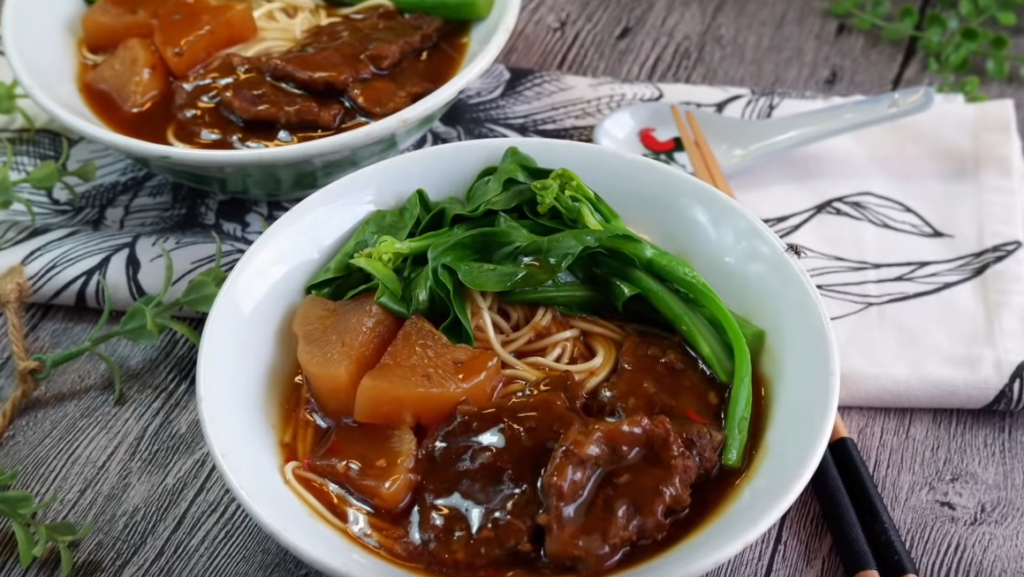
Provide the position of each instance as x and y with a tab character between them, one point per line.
970	34
8	477
42	539
970	84
44	503
997	68
67	562
966	8
930	46
1006	18
985	4
935	23
839	8
958	60
909	16
26	543
976	97
17	501
182	329
202	290
999	43
44	177
65	531
861	23
86	172
879	8
933	65
138	324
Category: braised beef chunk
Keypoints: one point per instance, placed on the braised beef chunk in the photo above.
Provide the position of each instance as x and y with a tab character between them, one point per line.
478	498
334	55
254	98
658	376
611	485
382	96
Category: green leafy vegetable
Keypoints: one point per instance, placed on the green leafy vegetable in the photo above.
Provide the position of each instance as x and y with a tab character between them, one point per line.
33	536
958	38
542	236
145	322
448	9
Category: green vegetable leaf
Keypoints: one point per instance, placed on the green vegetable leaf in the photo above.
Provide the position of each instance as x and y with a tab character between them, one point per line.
335	279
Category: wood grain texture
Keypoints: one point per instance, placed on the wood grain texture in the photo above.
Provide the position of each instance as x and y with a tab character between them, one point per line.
141	473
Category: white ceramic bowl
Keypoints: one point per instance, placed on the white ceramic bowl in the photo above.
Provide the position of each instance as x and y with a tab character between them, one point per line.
247	350
40	41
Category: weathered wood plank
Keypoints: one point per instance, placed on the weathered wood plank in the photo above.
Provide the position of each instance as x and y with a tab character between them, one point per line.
765	44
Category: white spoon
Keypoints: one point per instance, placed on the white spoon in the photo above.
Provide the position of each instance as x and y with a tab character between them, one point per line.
738	142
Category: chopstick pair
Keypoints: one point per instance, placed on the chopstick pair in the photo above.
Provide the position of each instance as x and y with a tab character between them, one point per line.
868	543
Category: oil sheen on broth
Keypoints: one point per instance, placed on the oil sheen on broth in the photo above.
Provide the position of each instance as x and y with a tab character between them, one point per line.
495	489
242	92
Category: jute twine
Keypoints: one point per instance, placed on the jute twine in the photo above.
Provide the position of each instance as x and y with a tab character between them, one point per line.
14	293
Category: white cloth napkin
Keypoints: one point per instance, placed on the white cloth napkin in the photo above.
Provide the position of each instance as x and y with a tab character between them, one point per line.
912	229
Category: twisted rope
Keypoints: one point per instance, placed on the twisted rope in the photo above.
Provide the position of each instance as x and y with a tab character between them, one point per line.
14	293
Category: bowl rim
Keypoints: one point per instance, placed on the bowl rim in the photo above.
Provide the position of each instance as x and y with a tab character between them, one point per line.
724	553
505	11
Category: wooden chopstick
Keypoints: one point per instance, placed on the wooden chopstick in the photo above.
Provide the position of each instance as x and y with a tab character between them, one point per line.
890	552
844	487
700	169
709	156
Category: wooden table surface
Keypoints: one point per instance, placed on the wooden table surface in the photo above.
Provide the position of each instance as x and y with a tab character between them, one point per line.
141	473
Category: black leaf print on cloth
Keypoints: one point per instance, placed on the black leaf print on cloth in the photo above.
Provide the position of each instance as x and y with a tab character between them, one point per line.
124	217
867	207
509	102
1011	396
854	285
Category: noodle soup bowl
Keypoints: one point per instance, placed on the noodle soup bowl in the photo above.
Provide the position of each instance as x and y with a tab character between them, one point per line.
40	40
247	354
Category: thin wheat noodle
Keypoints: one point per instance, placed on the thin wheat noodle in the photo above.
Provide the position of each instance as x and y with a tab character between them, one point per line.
311	501
496	344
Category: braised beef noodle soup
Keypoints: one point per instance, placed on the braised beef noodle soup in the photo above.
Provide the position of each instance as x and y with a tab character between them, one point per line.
588	415
237	74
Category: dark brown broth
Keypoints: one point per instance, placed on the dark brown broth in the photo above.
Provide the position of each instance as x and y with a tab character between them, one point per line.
708	496
435	66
